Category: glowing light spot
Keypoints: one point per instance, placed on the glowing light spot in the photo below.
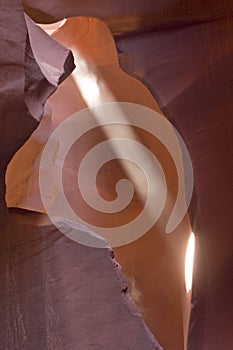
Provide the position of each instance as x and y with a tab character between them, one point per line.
51	28
62	22
189	259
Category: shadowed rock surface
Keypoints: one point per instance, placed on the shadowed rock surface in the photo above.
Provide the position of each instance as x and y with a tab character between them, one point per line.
188	69
24	89
55	294
58	294
98	79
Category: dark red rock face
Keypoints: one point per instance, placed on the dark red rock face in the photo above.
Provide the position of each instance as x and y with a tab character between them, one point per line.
185	59
24	85
55	294
189	71
129	15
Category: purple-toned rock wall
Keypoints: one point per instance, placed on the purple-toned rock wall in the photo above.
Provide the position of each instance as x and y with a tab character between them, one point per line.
189	72
183	52
55	293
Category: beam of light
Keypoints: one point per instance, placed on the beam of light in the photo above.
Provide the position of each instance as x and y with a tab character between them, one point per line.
86	80
189	260
94	91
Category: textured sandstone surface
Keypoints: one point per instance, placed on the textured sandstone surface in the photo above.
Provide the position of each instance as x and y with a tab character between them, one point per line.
55	294
187	69
24	88
127	16
189	74
164	304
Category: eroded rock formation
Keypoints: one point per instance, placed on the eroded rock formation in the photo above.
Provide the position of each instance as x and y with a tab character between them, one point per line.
98	79
183	52
54	292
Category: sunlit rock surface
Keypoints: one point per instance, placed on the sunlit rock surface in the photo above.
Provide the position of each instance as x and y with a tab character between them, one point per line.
188	70
24	89
54	292
97	79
